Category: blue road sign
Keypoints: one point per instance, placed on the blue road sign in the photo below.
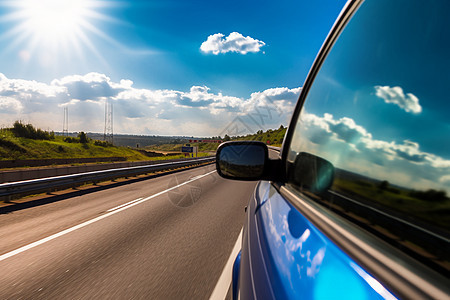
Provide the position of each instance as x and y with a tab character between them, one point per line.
186	149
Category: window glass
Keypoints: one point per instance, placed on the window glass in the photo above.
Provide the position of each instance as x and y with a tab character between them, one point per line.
373	138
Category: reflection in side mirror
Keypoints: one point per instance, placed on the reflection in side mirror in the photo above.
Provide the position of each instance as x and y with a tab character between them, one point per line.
312	173
244	160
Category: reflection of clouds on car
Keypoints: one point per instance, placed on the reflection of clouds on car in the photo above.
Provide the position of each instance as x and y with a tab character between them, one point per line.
305	262
395	95
402	162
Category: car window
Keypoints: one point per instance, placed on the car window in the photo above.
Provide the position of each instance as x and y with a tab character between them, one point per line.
372	140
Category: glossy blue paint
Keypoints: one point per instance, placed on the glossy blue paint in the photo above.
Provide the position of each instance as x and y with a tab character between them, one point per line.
261	192
235	276
254	280
304	263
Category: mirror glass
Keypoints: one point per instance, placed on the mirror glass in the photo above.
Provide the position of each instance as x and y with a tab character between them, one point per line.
242	161
312	173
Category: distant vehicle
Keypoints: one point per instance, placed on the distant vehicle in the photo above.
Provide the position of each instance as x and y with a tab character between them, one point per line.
357	205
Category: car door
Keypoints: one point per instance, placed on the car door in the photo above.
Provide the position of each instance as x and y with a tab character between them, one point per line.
363	209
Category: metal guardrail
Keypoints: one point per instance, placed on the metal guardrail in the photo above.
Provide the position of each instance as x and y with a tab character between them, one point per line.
27	187
274	148
397	225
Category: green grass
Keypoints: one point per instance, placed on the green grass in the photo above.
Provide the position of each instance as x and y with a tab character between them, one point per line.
397	199
12	147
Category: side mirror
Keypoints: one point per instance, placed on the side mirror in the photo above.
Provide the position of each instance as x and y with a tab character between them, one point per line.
312	173
242	160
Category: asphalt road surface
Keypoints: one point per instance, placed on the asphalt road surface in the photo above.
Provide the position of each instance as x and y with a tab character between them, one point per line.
162	238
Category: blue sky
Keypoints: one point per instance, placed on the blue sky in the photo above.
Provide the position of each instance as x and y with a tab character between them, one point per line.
147	58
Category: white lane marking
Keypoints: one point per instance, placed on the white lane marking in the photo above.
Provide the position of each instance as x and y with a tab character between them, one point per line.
222	286
117	207
61	233
196	177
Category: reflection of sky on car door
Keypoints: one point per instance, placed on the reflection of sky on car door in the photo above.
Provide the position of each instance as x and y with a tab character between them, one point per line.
309	266
399	52
381	96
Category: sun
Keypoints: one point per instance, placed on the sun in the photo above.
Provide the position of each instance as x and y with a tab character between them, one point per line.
49	28
54	20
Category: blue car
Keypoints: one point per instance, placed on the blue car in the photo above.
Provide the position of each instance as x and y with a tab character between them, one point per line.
356	205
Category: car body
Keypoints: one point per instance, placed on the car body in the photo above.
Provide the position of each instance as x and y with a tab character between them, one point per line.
356	206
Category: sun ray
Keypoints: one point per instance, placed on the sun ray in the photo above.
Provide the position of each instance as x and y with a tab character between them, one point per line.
55	28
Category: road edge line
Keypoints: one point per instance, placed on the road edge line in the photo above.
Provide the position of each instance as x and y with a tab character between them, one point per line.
223	284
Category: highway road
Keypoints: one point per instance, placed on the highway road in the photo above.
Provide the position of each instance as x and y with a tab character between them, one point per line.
167	237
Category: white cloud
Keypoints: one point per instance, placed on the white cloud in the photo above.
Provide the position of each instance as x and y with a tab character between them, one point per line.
28	88
91	86
347	131
10	105
316	263
344	129
276	94
445	179
235	42
357	150
28	96
395	95
275	101
197	111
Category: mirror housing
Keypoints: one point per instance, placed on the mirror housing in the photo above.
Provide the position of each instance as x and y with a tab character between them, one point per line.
246	160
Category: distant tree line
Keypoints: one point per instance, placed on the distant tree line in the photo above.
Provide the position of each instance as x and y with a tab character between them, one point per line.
430	195
271	136
30	132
